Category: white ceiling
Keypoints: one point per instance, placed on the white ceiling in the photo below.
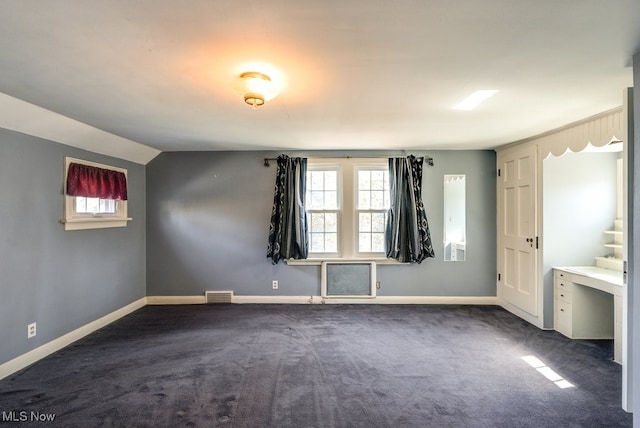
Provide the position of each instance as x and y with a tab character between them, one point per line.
358	74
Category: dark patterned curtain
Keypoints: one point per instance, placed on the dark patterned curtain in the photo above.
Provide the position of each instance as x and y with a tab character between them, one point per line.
93	182
407	233
288	228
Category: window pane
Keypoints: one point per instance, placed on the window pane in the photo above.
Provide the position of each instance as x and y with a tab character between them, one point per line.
317	180
330	200
322	192
364	199
377	243
377	180
331	222
364	242
107	206
373	189
331	243
317	243
371	229
85	205
323	233
378	222
364	180
331	180
324	243
377	200
317	222
93	205
81	204
317	200
364	223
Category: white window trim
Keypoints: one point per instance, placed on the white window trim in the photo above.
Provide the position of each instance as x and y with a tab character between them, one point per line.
381	164
331	164
347	218
75	221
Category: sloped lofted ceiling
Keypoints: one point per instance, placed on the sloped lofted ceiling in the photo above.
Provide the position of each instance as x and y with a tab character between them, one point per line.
357	74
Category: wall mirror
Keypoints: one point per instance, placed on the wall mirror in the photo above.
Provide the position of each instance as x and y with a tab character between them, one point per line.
455	237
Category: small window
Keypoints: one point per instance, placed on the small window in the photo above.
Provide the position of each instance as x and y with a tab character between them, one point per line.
94	206
95	195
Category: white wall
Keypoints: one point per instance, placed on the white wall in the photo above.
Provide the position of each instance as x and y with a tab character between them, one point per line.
634	246
579	191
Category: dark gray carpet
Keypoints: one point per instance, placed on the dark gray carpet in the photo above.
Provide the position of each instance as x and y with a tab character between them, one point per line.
320	366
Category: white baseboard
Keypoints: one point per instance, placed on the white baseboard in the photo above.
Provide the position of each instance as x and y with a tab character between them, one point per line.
200	300
176	300
48	348
379	300
306	300
414	300
422	300
291	300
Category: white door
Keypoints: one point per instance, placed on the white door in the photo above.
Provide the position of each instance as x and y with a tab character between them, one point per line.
517	240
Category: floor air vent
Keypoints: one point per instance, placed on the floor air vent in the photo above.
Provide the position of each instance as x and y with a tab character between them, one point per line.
218	296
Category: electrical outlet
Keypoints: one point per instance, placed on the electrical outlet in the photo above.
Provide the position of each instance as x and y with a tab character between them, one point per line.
378	285
31	330
274	284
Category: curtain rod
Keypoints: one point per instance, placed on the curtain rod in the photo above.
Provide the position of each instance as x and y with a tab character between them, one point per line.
427	159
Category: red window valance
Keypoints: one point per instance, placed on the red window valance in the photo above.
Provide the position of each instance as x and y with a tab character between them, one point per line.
93	182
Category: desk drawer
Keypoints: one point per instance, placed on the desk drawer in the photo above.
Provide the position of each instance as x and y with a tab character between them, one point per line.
562	317
563	284
562	293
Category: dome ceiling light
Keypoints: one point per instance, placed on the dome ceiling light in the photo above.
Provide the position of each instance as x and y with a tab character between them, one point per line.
256	88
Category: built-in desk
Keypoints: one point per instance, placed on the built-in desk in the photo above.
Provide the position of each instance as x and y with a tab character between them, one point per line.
588	304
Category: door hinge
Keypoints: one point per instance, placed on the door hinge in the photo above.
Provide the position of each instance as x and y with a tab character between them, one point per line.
536	242
498	277
498	172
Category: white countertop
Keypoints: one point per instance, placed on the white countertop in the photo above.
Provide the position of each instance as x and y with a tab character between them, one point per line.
595	275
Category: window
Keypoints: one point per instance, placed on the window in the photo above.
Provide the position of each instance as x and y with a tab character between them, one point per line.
347	202
372	206
323	208
99	195
94	206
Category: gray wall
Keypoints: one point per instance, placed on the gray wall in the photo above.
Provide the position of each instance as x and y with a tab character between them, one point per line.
208	218
61	280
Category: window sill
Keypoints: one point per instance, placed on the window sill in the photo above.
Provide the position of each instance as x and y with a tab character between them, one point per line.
318	262
94	223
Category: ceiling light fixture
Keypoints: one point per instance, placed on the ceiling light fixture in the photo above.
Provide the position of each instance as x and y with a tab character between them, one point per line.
256	88
474	100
